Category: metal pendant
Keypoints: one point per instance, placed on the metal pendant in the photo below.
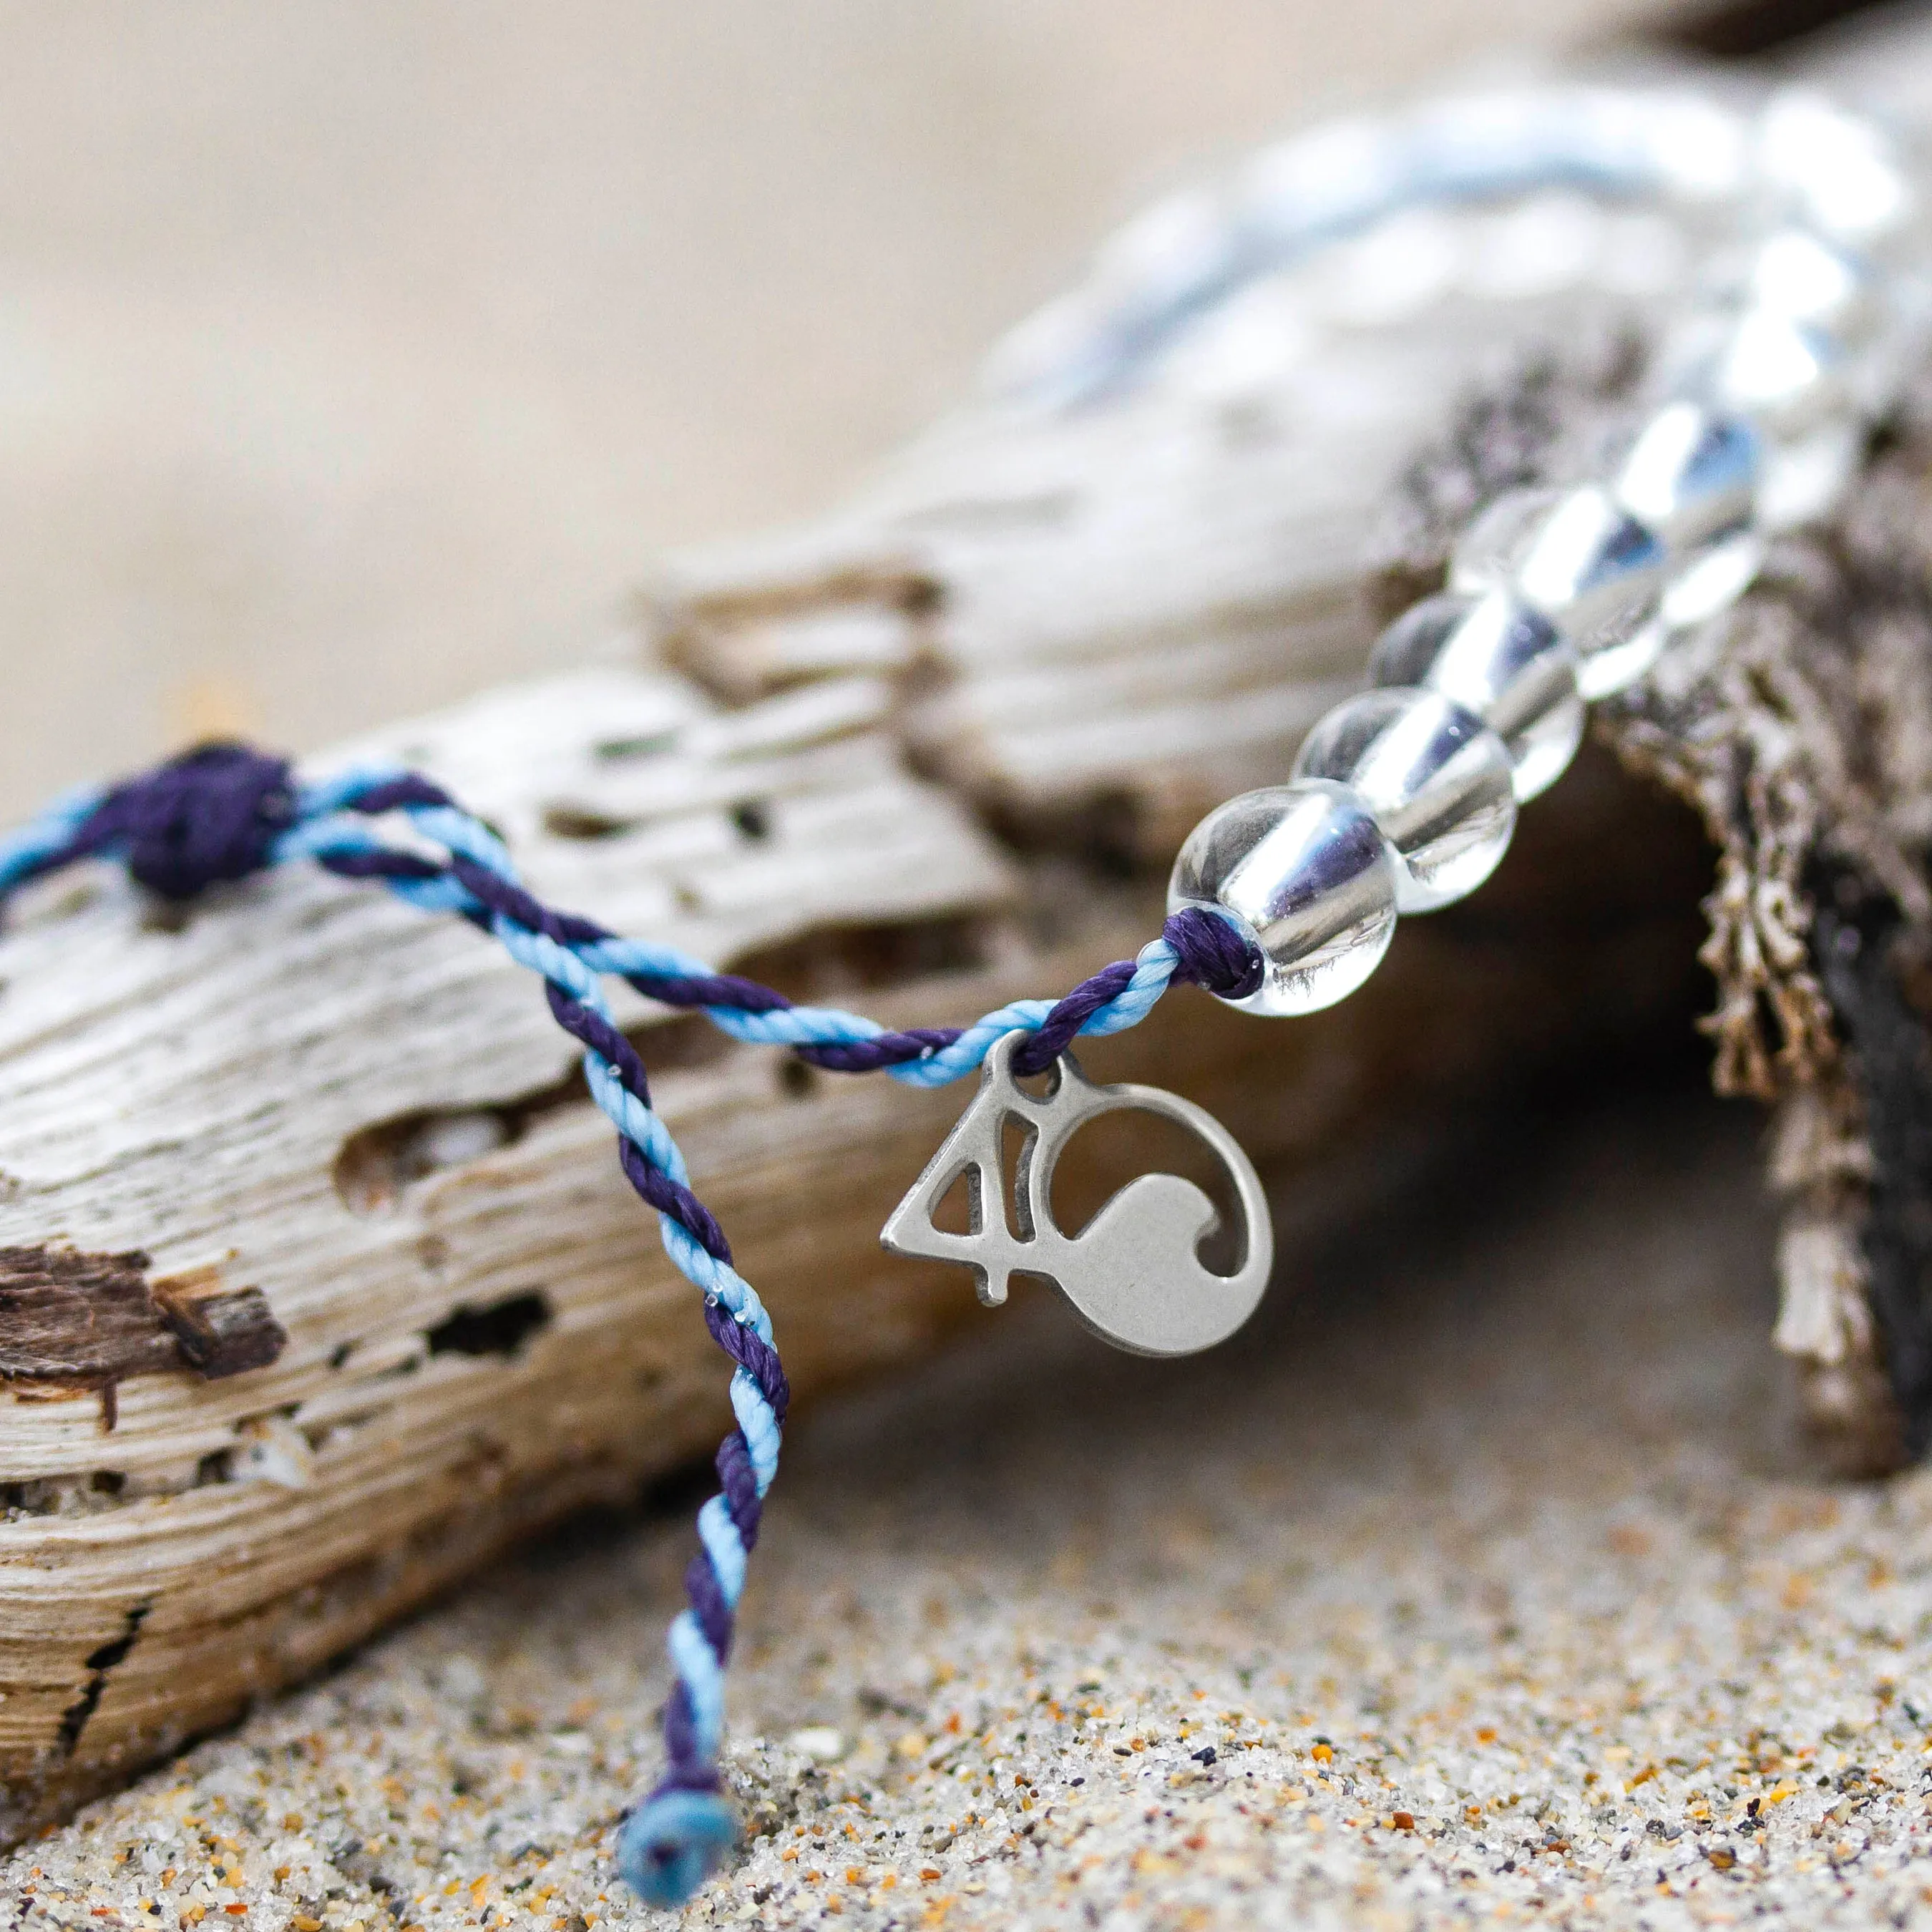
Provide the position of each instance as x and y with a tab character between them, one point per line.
1134	1274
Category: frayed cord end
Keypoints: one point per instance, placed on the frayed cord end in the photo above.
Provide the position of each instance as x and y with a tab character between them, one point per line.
672	1842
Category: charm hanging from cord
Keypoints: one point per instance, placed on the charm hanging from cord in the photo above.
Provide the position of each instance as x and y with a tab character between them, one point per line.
1134	1274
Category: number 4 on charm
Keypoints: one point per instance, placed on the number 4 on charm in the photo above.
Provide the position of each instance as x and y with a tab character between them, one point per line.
1134	1274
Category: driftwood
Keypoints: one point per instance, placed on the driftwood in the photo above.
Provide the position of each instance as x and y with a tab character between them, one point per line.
1799	727
318	1280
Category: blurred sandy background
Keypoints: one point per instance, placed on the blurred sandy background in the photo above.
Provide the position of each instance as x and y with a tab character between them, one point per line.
353	356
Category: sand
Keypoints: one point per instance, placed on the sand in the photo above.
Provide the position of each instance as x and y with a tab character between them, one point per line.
1486	1584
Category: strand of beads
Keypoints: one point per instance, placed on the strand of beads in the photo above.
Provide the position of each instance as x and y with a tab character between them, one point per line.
1679	147
1197	247
1404	798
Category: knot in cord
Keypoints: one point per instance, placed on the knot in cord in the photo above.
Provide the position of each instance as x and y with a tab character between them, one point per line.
211	815
1214	953
1207	950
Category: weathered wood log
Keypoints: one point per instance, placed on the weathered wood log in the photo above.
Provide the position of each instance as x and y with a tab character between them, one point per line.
318	1279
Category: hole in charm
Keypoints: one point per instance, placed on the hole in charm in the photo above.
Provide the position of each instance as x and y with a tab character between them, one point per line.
1106	1153
959	1211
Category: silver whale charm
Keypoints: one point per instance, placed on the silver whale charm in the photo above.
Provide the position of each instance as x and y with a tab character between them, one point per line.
1133	1274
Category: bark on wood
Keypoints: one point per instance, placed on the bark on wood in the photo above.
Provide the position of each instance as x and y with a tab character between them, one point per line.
929	755
70	1320
1804	736
1799	727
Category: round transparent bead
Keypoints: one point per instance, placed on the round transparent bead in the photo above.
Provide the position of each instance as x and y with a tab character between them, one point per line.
1805	476
1692	475
1715	576
1799	275
1304	871
1689	474
1582	560
1786	376
1506	663
1437	778
1840	170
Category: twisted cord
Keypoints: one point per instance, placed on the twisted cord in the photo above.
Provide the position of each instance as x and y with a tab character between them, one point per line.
1195	947
45	843
222	812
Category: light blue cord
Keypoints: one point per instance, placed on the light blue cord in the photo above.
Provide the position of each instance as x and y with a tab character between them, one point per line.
699	1823
20	851
326	824
697	1826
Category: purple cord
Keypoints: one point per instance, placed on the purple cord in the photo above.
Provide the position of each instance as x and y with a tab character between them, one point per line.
214	815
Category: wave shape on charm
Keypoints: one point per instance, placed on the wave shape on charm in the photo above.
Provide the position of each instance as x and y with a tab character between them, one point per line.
1133	1274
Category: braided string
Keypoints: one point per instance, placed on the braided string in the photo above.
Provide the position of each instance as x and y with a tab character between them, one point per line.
222	812
1195	947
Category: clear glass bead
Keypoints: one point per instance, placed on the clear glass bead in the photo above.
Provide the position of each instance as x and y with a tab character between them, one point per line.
1506	663
1804	395
1786	376
1437	778
1332	179
1717	575
1689	474
1692	475
1304	871
1805	476
1617	662
1838	169
1582	560
1167	253
1797	274
1695	147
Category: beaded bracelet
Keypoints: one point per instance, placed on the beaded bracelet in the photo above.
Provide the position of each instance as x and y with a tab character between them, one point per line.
1282	901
